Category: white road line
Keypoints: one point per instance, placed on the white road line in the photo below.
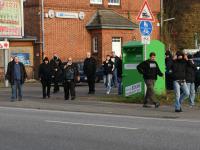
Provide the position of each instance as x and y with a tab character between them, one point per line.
92	125
102	115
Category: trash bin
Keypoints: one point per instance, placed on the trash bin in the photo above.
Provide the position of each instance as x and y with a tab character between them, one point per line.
132	55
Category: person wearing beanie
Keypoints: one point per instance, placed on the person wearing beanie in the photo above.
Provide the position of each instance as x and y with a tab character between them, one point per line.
44	74
190	79
178	69
56	65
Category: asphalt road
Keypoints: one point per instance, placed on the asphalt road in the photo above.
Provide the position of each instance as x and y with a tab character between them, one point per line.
30	129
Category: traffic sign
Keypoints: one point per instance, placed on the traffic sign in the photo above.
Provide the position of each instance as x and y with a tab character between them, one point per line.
146	28
145	13
145	39
4	45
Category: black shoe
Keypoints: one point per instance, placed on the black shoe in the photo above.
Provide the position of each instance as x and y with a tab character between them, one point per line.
178	110
44	97
147	106
157	104
73	98
48	96
20	99
67	98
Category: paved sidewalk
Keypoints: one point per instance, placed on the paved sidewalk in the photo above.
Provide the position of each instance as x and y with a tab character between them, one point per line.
90	104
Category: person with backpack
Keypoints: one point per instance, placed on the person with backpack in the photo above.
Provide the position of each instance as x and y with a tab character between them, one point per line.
71	75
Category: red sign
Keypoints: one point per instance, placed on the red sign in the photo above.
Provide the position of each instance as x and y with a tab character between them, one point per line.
145	13
4	45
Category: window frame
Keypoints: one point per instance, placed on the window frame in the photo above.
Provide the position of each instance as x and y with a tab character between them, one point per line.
98	3
95	44
114	4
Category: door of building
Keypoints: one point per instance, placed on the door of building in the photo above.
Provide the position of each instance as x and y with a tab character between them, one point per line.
117	45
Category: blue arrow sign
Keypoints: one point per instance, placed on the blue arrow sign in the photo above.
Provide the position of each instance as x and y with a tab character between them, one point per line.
146	28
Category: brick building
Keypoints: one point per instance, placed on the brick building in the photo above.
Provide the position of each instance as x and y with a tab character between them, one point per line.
74	27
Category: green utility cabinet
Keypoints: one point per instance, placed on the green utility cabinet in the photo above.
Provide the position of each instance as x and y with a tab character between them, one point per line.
132	54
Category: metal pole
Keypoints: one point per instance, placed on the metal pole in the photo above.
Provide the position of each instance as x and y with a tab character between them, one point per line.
161	20
42	21
5	64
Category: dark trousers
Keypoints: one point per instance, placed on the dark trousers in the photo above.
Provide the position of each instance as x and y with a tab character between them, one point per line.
91	84
69	87
46	86
149	97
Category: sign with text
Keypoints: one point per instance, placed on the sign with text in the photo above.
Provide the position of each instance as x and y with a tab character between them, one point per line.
133	89
4	45
145	39
11	18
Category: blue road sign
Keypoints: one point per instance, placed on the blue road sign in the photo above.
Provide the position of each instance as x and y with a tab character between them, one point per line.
146	28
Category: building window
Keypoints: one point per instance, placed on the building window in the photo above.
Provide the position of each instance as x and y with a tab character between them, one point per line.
95	44
95	1
114	2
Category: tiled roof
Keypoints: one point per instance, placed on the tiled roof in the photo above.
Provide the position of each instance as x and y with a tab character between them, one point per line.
108	19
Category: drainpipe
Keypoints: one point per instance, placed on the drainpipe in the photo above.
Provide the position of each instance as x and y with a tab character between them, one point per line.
42	22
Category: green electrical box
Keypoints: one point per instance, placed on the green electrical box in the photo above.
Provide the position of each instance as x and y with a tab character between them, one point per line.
133	53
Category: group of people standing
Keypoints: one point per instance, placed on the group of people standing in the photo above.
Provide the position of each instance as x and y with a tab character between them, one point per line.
180	75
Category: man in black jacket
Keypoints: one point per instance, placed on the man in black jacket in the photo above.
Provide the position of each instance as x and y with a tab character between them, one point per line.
71	75
150	70
44	74
56	64
16	75
89	69
179	79
190	79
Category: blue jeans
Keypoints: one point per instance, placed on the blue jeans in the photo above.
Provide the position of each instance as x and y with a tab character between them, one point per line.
179	97
16	88
119	81
191	88
114	78
108	82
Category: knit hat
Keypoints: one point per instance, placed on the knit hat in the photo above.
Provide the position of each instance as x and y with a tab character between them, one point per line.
190	56
179	53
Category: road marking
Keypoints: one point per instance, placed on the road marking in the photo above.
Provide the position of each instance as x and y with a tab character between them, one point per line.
101	115
92	125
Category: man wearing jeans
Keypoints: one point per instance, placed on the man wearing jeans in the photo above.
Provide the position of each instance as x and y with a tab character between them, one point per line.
190	79
150	70
16	74
108	67
179	79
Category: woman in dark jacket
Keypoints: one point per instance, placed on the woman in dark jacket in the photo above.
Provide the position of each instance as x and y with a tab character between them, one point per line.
44	75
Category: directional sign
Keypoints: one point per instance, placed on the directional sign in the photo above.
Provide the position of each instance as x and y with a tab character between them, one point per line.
4	45
145	13
146	28
145	39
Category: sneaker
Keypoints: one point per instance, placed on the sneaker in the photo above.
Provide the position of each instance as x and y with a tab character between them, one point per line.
157	104
147	106
108	92
178	110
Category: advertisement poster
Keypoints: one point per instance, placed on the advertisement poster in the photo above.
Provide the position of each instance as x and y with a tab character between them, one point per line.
23	57
11	18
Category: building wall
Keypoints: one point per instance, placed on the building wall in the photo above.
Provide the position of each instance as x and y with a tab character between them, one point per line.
69	37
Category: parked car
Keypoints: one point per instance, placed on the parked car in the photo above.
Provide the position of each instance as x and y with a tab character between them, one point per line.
83	77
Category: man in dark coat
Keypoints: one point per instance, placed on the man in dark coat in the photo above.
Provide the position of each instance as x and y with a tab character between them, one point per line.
56	64
168	74
44	74
119	75
71	75
150	71
16	75
190	79
89	69
179	79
